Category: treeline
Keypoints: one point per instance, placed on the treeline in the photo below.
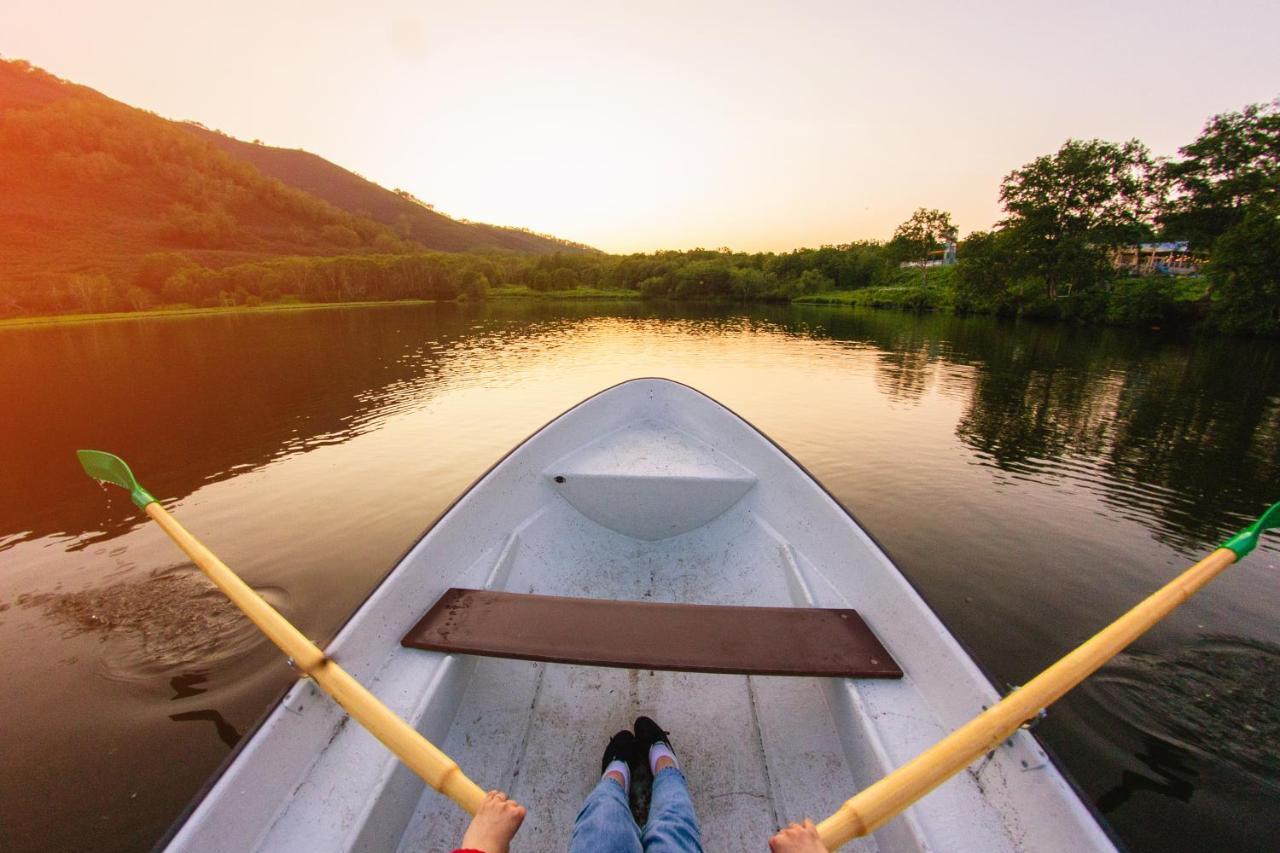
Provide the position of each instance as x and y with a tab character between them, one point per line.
1051	256
174	278
1067	213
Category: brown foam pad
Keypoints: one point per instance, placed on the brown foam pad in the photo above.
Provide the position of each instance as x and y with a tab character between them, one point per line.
654	635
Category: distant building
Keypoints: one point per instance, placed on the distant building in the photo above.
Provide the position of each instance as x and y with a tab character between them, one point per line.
944	257
1155	259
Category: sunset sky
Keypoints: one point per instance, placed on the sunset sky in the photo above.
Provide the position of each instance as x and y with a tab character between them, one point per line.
639	126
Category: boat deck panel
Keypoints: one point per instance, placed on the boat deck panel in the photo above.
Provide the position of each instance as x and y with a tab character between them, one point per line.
537	731
830	642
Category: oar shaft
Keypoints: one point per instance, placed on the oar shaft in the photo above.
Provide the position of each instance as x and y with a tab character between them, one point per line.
437	769
882	801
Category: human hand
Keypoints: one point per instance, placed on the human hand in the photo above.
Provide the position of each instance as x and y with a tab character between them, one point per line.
797	838
494	824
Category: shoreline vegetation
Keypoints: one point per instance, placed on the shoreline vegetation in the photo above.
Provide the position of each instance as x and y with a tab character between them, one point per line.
179	311
513	293
129	213
907	294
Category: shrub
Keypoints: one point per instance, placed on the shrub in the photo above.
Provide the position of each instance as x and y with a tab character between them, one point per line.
187	226
1245	273
1141	302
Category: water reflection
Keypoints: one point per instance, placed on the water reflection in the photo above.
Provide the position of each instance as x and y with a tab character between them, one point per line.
169	620
1034	480
1169	776
192	402
1204	425
226	732
1167	420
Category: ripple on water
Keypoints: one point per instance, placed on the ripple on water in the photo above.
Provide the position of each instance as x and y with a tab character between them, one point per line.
172	620
1217	696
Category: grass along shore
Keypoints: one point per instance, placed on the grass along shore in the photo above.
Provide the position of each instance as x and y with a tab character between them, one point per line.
1129	302
1153	301
191	311
520	291
496	293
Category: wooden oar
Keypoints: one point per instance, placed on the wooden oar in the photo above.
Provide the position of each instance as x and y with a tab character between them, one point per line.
882	801
437	769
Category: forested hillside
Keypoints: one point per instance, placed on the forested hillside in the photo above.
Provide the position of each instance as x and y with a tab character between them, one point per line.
406	215
103	206
90	188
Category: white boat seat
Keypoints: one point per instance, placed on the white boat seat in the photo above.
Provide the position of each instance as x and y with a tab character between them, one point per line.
650	481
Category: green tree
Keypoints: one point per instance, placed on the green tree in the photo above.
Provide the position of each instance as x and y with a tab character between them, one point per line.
564	279
925	232
93	293
704	279
474	285
812	281
1245	272
1231	168
750	283
987	264
1065	211
155	269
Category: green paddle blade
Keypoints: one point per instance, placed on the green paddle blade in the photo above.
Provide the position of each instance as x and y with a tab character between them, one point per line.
111	469
1246	540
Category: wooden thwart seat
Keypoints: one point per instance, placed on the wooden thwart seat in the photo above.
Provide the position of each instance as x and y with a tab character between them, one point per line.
653	635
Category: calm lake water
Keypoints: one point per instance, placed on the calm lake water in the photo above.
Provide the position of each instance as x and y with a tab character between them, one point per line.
1033	481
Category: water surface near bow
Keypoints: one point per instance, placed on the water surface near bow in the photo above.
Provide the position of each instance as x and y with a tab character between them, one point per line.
1033	481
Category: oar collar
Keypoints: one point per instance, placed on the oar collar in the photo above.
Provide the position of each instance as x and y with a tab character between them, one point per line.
1246	540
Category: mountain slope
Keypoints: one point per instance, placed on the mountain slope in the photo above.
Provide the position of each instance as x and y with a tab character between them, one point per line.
101	203
90	186
407	216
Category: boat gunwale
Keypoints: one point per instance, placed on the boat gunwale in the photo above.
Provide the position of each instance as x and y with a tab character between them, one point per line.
207	786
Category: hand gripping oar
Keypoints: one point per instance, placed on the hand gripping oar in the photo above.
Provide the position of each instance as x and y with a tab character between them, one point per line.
437	769
882	801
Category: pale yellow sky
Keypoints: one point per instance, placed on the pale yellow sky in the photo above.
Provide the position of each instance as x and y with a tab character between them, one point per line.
633	127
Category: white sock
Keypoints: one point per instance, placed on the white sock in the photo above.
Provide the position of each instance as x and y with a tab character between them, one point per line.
617	766
661	750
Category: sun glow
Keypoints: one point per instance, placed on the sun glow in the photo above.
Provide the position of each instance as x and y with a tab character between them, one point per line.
765	126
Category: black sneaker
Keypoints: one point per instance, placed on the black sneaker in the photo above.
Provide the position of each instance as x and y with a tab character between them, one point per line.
622	747
648	733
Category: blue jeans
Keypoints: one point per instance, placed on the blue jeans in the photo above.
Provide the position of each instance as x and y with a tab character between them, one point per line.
605	824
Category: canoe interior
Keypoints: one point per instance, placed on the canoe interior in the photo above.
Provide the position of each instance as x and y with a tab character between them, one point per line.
665	496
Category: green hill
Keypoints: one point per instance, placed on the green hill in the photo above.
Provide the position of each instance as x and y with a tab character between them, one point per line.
101	203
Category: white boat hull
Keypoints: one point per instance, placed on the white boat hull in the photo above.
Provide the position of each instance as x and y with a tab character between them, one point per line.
666	496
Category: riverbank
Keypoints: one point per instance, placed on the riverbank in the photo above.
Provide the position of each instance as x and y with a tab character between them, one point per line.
509	292
1135	302
190	311
520	291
